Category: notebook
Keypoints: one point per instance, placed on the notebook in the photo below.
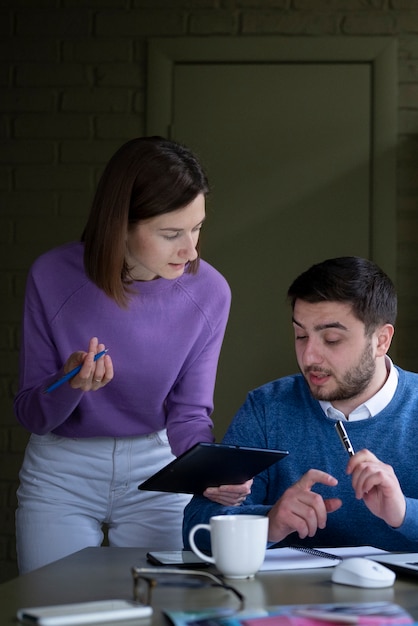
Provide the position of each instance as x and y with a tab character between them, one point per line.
301	557
295	557
211	465
403	562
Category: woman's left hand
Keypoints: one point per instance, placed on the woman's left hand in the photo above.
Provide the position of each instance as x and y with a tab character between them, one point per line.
229	495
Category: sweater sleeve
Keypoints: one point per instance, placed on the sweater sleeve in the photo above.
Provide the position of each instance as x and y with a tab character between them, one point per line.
409	528
245	430
190	402
39	366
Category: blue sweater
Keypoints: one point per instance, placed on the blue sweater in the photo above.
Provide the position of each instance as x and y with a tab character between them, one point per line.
283	414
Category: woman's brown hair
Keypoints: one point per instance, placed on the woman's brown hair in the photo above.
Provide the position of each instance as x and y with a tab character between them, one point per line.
146	177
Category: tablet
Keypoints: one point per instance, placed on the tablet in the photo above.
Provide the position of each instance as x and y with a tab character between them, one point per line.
402	562
211	465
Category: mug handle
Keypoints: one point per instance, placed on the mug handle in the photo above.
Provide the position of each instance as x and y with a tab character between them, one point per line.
193	546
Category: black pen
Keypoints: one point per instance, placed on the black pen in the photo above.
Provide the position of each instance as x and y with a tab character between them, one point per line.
71	374
342	433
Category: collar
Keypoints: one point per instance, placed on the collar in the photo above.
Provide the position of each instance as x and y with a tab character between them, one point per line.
373	405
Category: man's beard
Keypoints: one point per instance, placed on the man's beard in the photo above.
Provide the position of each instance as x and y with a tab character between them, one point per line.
354	381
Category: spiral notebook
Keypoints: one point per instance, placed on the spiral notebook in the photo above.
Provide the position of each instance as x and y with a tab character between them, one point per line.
300	557
297	558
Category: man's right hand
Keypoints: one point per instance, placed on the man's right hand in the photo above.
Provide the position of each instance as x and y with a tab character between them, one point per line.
302	510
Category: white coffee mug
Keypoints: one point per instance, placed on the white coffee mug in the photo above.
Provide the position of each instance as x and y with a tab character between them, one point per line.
238	543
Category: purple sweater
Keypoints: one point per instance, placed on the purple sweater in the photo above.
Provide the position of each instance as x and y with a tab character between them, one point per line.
164	347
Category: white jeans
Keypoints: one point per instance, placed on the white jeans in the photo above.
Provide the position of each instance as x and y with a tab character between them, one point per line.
69	488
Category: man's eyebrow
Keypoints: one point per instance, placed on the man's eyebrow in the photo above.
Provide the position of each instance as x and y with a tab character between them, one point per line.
337	325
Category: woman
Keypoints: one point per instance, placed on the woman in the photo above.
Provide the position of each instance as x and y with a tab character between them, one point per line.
136	287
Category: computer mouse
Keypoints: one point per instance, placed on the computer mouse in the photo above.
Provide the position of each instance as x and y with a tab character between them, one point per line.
362	572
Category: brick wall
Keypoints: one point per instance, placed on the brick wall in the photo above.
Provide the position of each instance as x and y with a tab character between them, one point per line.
72	83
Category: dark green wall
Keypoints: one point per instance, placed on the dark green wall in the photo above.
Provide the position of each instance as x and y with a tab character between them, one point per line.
73	88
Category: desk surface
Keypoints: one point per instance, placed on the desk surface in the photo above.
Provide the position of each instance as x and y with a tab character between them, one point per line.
103	573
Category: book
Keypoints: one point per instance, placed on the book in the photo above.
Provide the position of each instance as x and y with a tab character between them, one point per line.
360	613
367	614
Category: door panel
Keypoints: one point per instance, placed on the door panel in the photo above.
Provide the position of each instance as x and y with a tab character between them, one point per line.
288	148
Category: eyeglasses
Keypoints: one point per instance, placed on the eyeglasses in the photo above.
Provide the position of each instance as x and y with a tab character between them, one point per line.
144	582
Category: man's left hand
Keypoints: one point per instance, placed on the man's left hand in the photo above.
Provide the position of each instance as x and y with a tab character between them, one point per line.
376	484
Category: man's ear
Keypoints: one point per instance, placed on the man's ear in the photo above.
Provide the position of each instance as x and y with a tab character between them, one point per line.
384	336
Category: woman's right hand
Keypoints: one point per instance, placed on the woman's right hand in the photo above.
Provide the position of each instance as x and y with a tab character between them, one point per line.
93	375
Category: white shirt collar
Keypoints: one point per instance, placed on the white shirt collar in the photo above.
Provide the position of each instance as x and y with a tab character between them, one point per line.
373	405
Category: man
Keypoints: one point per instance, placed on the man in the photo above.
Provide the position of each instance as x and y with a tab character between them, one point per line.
344	313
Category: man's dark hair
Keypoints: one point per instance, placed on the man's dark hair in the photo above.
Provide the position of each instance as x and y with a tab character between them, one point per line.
353	280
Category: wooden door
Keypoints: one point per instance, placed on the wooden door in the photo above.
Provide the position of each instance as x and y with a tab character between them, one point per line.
290	150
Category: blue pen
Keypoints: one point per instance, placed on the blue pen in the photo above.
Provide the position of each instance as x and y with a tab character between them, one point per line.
71	374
